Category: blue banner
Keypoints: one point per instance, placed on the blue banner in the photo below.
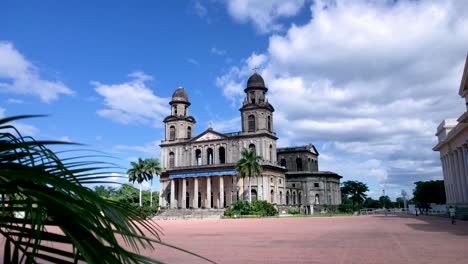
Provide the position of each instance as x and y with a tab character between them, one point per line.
201	174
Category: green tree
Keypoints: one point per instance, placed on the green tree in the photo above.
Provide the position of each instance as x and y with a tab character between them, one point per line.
104	191
400	202
153	167
371	203
138	173
249	165
354	190
385	202
427	192
49	190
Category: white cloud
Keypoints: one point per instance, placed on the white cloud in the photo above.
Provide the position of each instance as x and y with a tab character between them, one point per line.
18	75
200	10
232	82
193	61
217	51
264	14
230	125
150	149
368	80
64	139
132	102
14	101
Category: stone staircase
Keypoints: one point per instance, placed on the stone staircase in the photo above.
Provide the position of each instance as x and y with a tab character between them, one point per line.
177	214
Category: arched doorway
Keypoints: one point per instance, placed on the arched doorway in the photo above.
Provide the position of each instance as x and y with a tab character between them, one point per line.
187	200
272	196
211	205
281	198
199	199
287	198
294	198
317	199
224	200
168	199
198	157
254	195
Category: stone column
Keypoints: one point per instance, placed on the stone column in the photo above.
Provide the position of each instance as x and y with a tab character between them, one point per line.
184	190
208	192
448	178
461	173
458	197
465	164
444	172
455	176
195	192
173	200
221	192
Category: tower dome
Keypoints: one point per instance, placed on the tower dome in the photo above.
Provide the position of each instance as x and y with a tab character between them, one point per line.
255	81
180	96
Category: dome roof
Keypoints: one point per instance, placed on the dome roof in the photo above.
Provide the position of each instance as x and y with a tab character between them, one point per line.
180	95
255	81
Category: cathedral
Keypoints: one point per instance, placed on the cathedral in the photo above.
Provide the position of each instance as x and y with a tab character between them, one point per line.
199	170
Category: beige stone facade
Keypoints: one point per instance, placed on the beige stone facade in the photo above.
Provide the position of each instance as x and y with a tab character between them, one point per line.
199	171
453	147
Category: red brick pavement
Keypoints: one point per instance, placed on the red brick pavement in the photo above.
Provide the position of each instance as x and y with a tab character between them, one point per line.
361	239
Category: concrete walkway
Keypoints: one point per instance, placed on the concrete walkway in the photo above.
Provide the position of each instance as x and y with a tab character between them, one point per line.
360	239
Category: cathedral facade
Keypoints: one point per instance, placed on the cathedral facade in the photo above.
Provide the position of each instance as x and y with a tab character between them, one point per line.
199	171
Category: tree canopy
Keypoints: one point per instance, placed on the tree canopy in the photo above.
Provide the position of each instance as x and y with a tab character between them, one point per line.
355	191
427	192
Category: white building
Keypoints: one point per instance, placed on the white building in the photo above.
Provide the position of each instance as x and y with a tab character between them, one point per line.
453	147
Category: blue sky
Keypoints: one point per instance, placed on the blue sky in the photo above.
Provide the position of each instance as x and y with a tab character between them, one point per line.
367	82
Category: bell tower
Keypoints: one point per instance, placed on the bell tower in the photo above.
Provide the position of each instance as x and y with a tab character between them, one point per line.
179	125
256	111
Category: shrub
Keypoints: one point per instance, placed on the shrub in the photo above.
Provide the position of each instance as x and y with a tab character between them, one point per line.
293	211
260	208
263	208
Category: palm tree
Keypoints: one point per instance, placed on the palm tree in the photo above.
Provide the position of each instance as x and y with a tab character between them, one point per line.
40	189
152	167
138	173
249	165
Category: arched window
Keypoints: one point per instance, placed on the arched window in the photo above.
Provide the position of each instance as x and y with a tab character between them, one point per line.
254	195
189	132
299	198
222	155
283	163
287	198
199	199
272	196
269	123
299	164
251	123
252	146
317	199
171	160
271	153
294	198
198	156
281	198
209	156
172	133
252	97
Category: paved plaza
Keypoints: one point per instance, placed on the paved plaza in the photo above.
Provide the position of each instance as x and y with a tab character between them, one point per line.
361	239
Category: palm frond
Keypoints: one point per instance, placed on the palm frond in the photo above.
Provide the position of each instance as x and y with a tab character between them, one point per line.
58	209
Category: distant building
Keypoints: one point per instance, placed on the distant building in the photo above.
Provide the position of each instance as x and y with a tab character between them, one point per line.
199	171
453	147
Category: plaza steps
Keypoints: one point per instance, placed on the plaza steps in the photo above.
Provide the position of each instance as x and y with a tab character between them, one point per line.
179	214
